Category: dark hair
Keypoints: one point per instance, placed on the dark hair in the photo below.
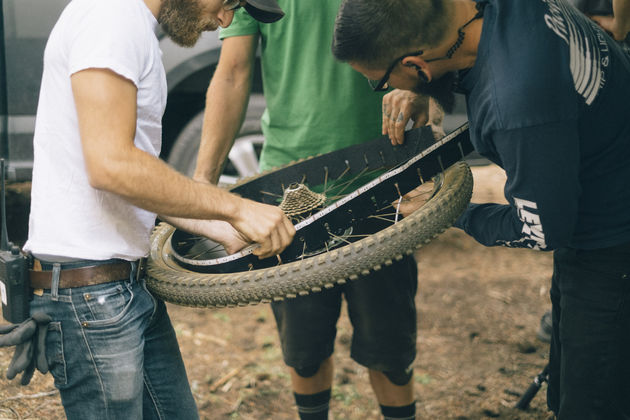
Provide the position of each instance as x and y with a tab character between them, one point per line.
375	32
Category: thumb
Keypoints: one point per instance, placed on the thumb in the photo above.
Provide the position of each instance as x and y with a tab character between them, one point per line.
420	118
419	122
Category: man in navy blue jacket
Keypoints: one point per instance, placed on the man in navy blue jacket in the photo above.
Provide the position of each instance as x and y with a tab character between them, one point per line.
546	91
614	17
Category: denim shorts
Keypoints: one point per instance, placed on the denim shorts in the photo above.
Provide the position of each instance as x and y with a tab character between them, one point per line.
113	353
589	362
382	310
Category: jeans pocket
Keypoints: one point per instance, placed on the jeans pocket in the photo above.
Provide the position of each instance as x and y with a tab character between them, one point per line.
106	306
154	301
54	353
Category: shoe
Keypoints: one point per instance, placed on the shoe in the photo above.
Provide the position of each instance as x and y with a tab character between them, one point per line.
545	328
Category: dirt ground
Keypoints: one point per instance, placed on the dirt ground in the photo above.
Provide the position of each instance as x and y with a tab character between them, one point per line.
478	311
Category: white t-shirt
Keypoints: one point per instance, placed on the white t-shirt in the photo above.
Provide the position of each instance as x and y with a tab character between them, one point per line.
68	217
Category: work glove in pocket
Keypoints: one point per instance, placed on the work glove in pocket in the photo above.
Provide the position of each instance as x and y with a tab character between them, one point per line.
29	339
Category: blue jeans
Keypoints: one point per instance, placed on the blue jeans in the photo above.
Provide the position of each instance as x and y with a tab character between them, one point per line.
589	362
113	353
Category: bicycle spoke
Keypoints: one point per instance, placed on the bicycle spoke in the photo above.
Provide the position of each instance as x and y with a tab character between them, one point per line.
345	184
271	194
339	237
383	214
351	181
381	218
411	197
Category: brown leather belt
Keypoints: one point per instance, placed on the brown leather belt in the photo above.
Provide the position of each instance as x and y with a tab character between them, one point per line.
83	276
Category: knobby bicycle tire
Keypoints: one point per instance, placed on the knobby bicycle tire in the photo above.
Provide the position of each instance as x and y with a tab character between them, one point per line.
176	284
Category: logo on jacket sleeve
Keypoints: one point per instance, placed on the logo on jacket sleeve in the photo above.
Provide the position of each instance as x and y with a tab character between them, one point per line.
533	234
588	50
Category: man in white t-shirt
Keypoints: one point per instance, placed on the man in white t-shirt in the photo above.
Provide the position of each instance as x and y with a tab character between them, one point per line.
97	187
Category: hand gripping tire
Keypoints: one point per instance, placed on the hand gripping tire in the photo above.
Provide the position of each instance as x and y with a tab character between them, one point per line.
181	281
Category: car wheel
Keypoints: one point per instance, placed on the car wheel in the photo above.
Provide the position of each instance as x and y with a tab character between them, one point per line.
243	157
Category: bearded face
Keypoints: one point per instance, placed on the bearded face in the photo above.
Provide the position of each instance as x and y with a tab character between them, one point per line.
183	21
442	90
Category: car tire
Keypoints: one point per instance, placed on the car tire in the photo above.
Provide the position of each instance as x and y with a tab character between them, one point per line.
243	159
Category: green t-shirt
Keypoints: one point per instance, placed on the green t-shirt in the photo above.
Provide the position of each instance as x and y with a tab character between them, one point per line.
315	104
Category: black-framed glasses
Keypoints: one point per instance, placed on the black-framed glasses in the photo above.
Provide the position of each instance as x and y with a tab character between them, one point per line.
381	85
232	4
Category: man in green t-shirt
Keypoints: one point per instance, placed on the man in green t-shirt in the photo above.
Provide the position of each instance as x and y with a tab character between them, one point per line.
317	105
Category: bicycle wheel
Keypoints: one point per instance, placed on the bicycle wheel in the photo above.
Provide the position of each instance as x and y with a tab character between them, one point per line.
341	204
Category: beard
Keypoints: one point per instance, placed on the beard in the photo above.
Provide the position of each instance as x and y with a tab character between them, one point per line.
442	90
183	21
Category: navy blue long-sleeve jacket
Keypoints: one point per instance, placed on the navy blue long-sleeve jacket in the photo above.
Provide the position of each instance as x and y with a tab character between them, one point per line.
549	101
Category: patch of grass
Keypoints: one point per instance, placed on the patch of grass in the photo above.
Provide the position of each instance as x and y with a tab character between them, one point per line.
221	316
423	379
347	395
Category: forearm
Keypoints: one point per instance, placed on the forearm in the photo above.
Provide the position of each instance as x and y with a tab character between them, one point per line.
194	226
151	184
541	214
147	182
618	25
226	105
216	230
493	225
621	12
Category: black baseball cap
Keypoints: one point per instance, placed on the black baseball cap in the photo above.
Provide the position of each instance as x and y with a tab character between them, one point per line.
266	11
